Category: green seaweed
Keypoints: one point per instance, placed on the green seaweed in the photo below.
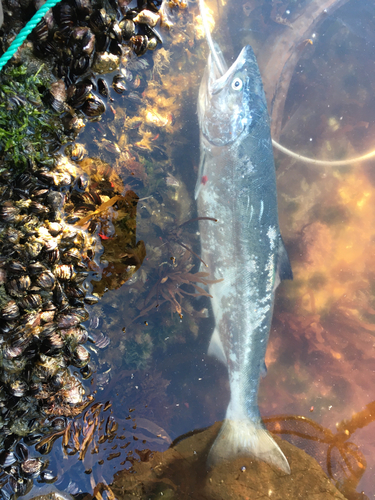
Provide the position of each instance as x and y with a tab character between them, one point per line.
138	352
27	128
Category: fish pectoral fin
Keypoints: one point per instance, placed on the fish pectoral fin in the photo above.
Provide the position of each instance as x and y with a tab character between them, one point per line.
216	348
283	269
263	369
246	438
199	183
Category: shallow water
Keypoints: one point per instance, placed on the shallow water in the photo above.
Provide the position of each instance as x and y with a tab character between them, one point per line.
155	372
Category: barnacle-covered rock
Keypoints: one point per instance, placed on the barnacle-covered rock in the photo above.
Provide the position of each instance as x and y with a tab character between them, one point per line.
40	318
147	17
105	63
45	259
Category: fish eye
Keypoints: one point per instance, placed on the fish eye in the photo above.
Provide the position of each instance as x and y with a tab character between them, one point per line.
237	84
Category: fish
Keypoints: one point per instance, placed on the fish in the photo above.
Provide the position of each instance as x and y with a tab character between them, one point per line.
243	249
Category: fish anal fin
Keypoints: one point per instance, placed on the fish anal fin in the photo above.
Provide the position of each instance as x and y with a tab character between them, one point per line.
283	267
216	348
245	438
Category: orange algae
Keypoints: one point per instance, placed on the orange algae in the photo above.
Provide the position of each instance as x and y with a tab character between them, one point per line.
322	353
336	259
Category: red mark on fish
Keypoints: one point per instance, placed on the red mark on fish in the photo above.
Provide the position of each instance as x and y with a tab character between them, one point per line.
204	180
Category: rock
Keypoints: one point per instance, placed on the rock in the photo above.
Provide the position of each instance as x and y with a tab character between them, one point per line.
105	62
180	473
46	492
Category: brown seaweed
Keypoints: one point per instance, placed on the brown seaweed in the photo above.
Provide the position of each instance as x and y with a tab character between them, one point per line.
168	286
343	459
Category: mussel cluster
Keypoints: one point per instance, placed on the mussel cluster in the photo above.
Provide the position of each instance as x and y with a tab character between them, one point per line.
19	469
44	262
45	257
79	38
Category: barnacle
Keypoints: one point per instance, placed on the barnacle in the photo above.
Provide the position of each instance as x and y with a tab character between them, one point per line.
161	61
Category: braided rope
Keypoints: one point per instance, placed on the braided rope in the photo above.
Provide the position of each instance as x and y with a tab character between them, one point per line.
23	34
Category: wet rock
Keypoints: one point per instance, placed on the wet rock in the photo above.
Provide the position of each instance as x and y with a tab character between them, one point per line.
181	473
47	492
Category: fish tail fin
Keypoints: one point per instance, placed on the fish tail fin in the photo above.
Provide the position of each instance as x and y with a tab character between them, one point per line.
244	437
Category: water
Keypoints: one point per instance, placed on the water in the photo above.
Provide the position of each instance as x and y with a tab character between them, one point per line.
155	373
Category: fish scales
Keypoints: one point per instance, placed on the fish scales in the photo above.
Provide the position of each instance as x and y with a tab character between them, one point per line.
237	186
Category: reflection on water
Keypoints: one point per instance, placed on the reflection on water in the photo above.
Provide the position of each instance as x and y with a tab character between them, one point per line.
153	380
325	318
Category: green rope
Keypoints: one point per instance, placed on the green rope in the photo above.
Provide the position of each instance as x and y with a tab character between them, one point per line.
22	35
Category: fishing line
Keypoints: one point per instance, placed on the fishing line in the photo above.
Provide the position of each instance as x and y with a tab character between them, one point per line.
210	42
332	163
276	145
25	32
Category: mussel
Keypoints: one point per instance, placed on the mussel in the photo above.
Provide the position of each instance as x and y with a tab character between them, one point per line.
93	106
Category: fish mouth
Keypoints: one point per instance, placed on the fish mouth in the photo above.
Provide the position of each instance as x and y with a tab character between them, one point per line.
246	61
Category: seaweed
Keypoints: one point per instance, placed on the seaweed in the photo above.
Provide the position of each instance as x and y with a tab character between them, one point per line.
27	129
344	461
168	286
138	350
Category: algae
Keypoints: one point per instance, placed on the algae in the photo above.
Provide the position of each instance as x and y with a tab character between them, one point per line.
28	129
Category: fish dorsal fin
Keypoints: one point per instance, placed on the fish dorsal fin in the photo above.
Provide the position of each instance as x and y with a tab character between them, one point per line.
200	175
283	267
216	348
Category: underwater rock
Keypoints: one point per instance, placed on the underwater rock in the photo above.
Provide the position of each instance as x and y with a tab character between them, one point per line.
181	473
279	56
47	492
147	17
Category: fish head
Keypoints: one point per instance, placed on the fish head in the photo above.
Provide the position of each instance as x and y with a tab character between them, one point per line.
230	104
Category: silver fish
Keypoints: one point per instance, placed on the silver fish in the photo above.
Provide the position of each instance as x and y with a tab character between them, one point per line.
237	186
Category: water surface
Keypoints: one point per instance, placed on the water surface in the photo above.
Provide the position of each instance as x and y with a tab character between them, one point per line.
320	359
